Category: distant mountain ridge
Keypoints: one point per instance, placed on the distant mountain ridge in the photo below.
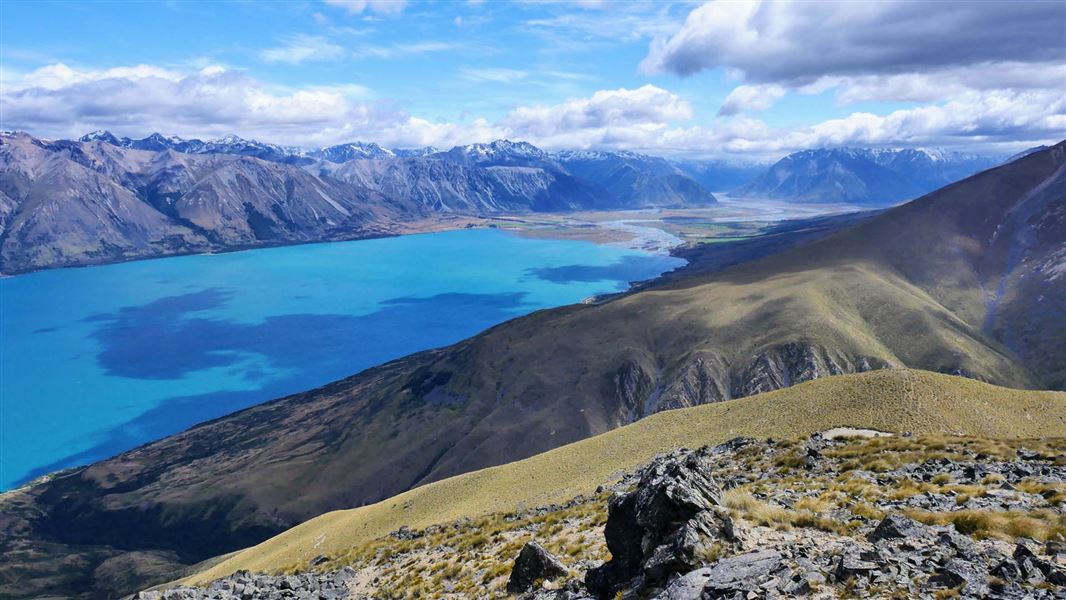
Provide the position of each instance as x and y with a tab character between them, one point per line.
864	176
627	178
103	198
174	195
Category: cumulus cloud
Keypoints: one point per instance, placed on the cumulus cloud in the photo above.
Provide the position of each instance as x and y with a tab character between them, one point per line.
748	98
205	103
959	54
602	115
302	48
356	7
799	42
61	101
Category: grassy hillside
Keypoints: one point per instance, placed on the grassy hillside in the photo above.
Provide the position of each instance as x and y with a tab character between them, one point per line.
903	400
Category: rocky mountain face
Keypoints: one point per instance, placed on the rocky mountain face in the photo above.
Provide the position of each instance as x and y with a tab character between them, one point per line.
70	203
961	281
446	186
871	177
104	198
643	180
823	517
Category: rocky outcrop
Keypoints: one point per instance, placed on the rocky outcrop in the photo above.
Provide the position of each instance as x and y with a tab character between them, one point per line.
708	377
793	363
669	537
533	564
248	586
663	527
701	381
633	387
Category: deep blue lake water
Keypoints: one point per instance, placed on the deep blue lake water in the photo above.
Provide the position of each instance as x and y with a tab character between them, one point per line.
97	360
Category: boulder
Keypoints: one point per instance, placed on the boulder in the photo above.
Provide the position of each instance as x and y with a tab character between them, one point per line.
972	578
533	563
897	527
741	573
660	528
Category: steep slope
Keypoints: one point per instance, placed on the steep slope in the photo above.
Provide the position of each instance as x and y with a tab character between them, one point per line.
620	179
862	176
73	203
58	212
637	180
896	401
915	286
450	186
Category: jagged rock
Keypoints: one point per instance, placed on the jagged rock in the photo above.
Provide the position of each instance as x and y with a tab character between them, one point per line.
657	529
852	565
533	563
682	548
633	386
971	577
700	381
895	527
741	573
1035	570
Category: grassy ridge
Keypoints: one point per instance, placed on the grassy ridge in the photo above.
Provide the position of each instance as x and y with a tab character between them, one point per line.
897	400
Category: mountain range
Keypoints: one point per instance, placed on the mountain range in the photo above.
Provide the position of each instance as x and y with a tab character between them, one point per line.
968	280
863	176
102	199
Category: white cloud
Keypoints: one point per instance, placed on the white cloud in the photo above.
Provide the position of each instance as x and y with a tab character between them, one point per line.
749	98
399	50
493	75
59	75
302	48
948	83
356	7
61	101
798	42
980	80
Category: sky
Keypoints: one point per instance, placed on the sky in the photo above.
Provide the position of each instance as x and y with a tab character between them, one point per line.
733	80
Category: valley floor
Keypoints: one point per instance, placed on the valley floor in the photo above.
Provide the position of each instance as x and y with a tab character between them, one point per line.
654	229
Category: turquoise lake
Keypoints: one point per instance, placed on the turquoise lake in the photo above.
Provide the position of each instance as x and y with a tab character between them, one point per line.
97	360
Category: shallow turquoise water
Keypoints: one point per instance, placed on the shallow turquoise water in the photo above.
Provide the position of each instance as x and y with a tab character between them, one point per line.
98	360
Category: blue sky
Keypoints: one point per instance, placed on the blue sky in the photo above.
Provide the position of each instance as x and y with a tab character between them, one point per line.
736	79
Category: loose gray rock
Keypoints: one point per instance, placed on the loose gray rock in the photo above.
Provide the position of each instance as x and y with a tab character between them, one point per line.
896	526
741	573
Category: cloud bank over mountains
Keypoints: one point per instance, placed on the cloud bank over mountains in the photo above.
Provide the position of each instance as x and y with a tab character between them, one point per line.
968	75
